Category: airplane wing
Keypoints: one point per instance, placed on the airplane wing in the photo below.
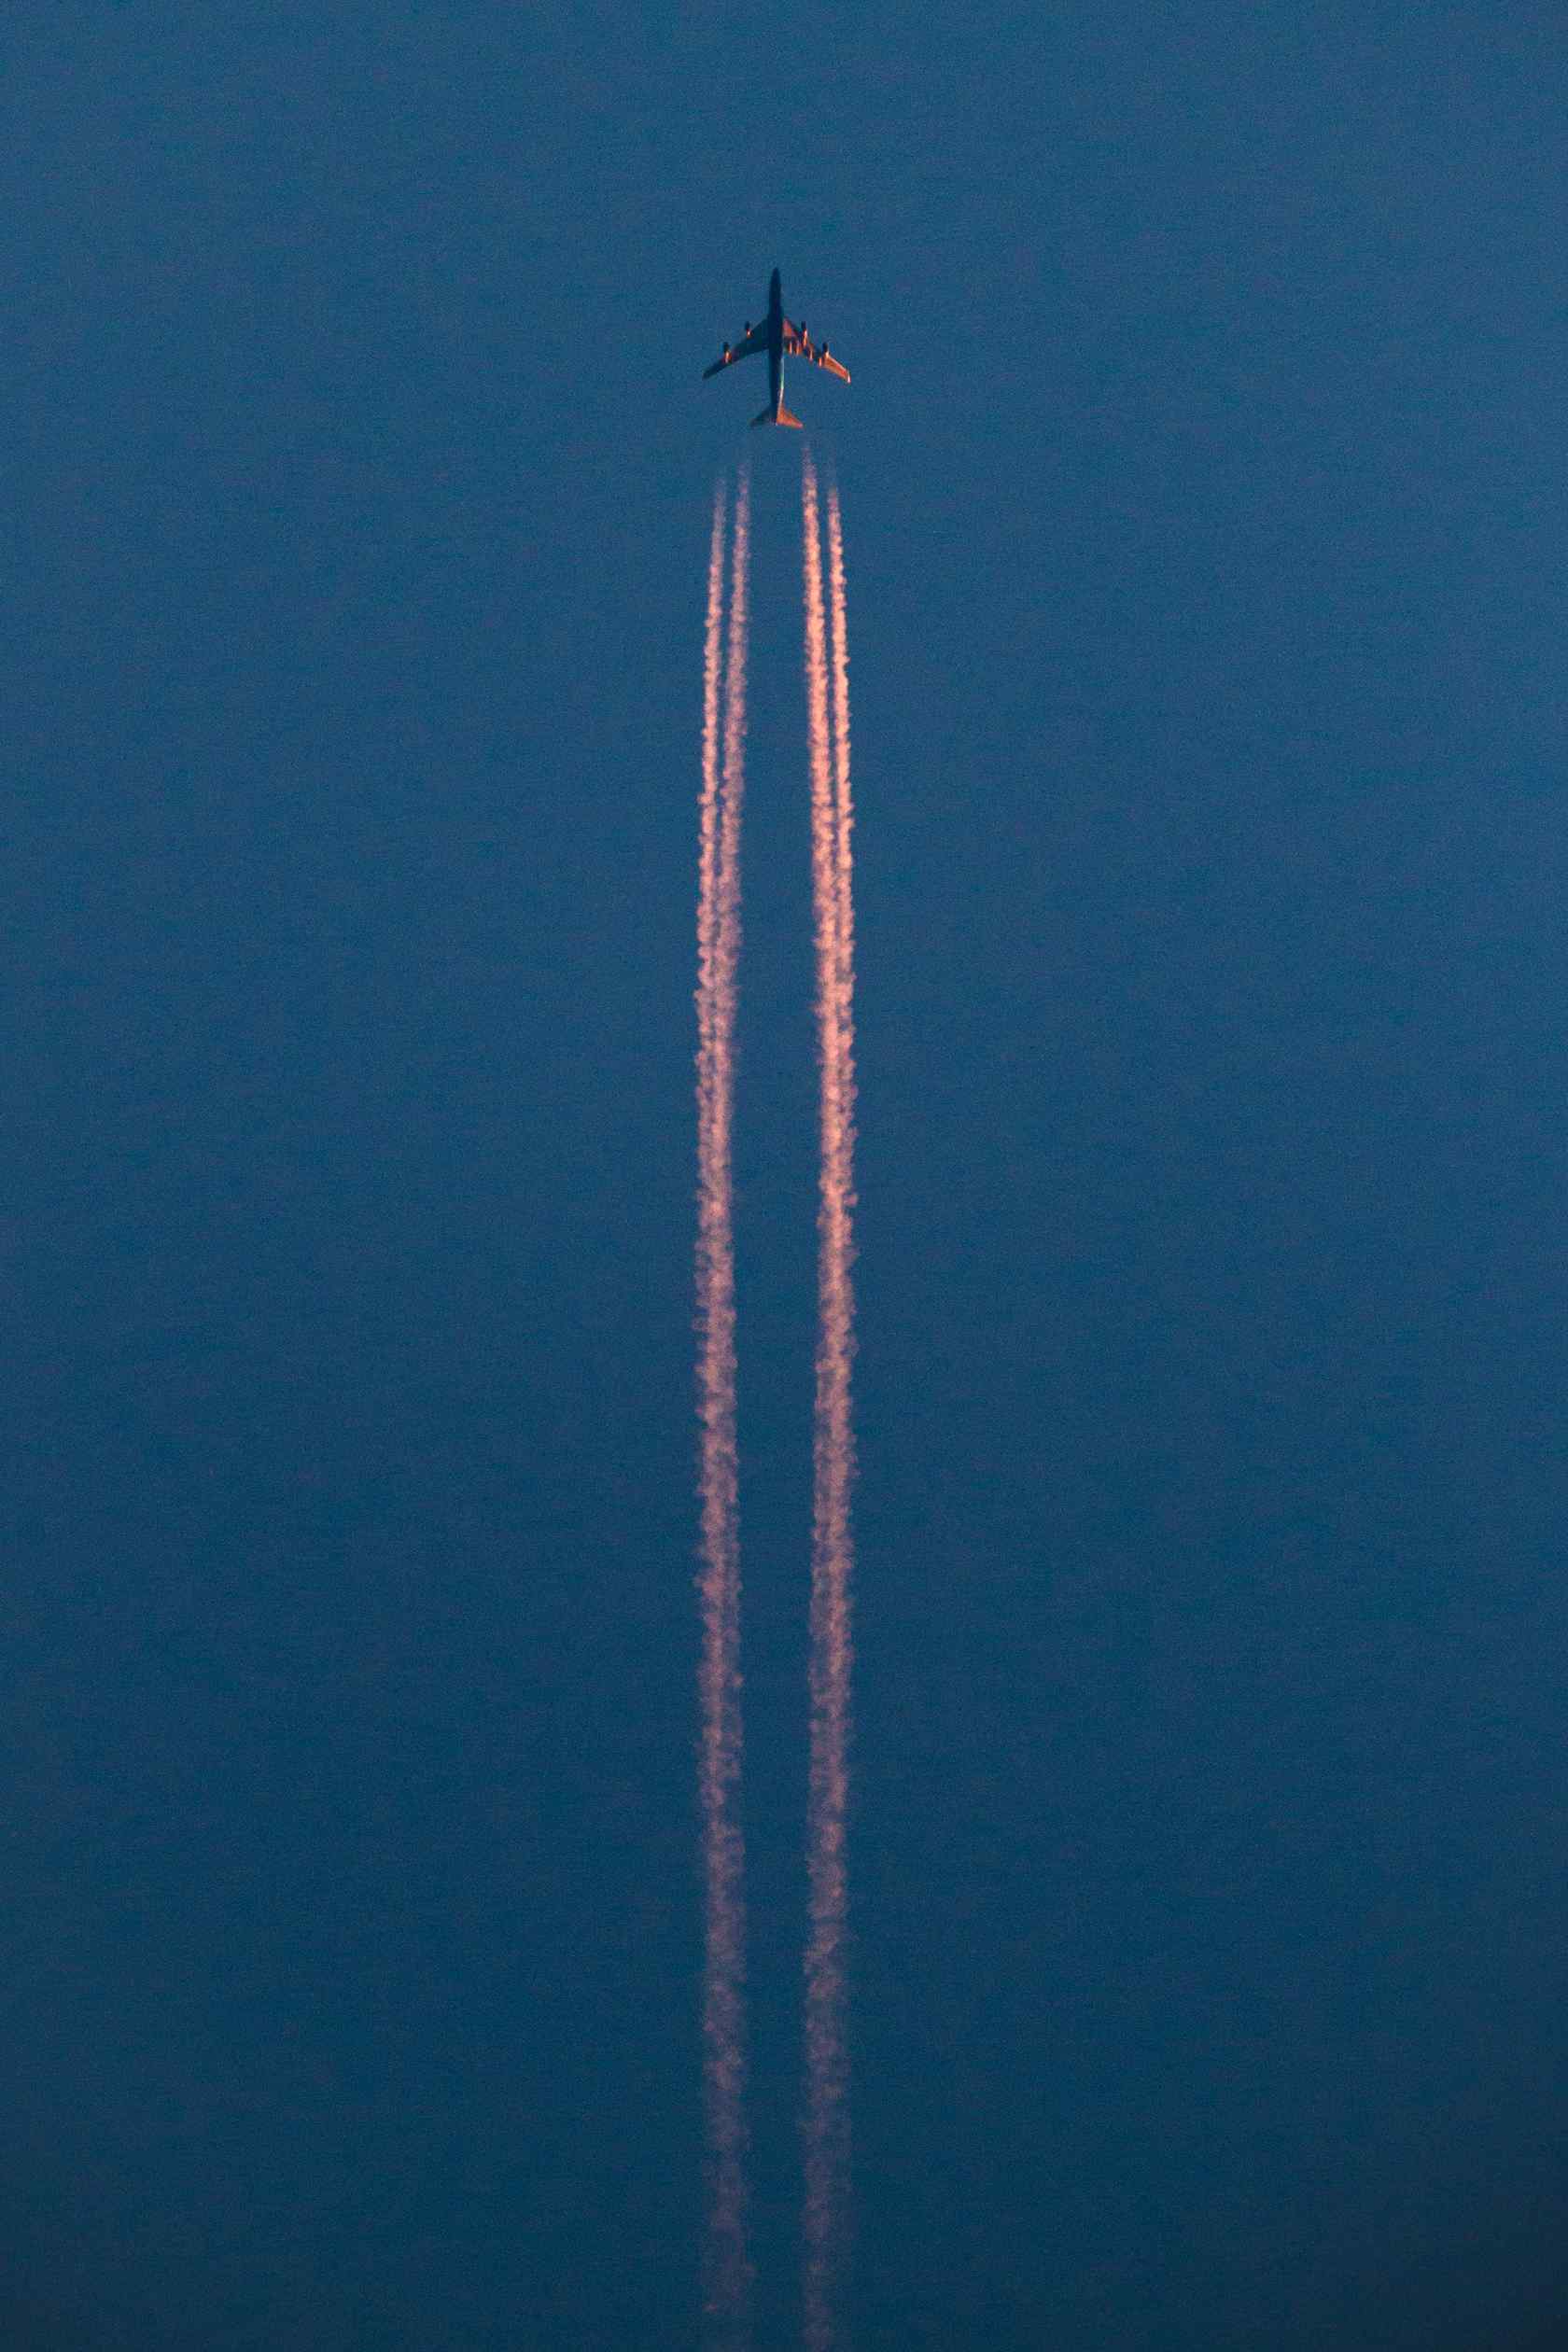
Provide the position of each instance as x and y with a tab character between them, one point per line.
799	343
746	348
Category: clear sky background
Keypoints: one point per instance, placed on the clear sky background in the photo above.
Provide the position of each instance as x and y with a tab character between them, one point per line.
1204	500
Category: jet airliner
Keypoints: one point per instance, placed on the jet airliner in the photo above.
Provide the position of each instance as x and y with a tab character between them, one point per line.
775	335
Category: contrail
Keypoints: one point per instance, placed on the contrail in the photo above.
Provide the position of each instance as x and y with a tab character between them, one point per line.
827	2088
727	2262
707	808
842	809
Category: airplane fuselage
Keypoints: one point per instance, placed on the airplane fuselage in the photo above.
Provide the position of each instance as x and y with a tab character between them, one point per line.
776	345
776	335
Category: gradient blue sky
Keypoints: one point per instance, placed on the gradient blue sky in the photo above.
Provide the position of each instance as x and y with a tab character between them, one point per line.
1204	500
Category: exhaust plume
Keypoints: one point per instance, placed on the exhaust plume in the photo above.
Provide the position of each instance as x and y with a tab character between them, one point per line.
727	2257
842	810
827	2088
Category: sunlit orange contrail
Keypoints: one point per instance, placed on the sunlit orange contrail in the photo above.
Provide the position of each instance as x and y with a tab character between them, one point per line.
827	2090
842	810
707	808
727	2264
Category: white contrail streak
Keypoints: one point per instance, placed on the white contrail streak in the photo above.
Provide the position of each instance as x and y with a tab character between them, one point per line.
727	2264
842	809
708	806
827	2088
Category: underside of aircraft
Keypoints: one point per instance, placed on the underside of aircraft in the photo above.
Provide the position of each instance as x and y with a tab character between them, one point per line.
779	337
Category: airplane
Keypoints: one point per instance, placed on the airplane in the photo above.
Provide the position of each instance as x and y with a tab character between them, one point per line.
776	335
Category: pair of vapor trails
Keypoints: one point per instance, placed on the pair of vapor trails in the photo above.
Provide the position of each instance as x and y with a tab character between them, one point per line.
727	2281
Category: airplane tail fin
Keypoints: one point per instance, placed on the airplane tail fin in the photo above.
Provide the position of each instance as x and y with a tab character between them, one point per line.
784	417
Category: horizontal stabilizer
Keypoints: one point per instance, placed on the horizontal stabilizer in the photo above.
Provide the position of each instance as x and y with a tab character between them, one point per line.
783	418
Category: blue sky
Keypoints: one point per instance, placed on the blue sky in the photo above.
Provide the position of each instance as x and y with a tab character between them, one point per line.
1204	512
